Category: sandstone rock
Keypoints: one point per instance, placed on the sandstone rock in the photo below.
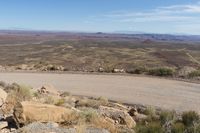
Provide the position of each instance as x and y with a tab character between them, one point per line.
48	89
3	96
118	116
27	112
3	124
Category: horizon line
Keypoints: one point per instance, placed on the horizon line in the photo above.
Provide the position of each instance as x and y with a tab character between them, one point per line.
95	32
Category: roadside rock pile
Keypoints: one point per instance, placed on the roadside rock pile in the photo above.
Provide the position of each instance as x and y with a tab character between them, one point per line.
46	110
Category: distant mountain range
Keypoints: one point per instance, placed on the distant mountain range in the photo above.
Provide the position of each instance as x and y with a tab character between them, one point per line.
119	35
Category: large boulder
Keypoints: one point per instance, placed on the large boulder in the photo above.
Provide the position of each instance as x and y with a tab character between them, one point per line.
119	116
27	112
3	96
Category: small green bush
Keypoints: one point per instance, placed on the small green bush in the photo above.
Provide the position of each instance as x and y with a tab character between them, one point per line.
153	127
151	114
37	95
60	102
88	115
189	118
139	70
178	128
161	72
103	100
150	111
166	116
140	128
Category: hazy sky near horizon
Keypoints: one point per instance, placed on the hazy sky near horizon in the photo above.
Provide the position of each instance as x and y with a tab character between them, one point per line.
152	16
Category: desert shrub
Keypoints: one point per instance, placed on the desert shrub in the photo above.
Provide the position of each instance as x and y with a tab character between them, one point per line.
89	115
151	114
103	100
40	64
108	68
49	100
11	87
37	95
20	92
161	72
166	116
194	74
140	128
197	128
139	70
93	103
178	128
60	102
189	118
154	127
150	111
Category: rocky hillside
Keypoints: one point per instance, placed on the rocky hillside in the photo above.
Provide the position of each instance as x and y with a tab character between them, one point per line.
29	110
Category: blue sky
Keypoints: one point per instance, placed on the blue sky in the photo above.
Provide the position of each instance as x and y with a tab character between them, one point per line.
152	16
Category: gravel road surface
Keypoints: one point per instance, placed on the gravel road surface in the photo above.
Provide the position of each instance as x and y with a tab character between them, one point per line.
169	94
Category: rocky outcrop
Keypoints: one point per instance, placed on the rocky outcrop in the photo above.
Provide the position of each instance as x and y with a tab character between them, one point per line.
27	112
119	116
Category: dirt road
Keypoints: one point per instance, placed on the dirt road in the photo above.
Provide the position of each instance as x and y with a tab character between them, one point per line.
169	94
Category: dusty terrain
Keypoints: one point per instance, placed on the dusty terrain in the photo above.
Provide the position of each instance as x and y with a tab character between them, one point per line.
89	52
169	94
